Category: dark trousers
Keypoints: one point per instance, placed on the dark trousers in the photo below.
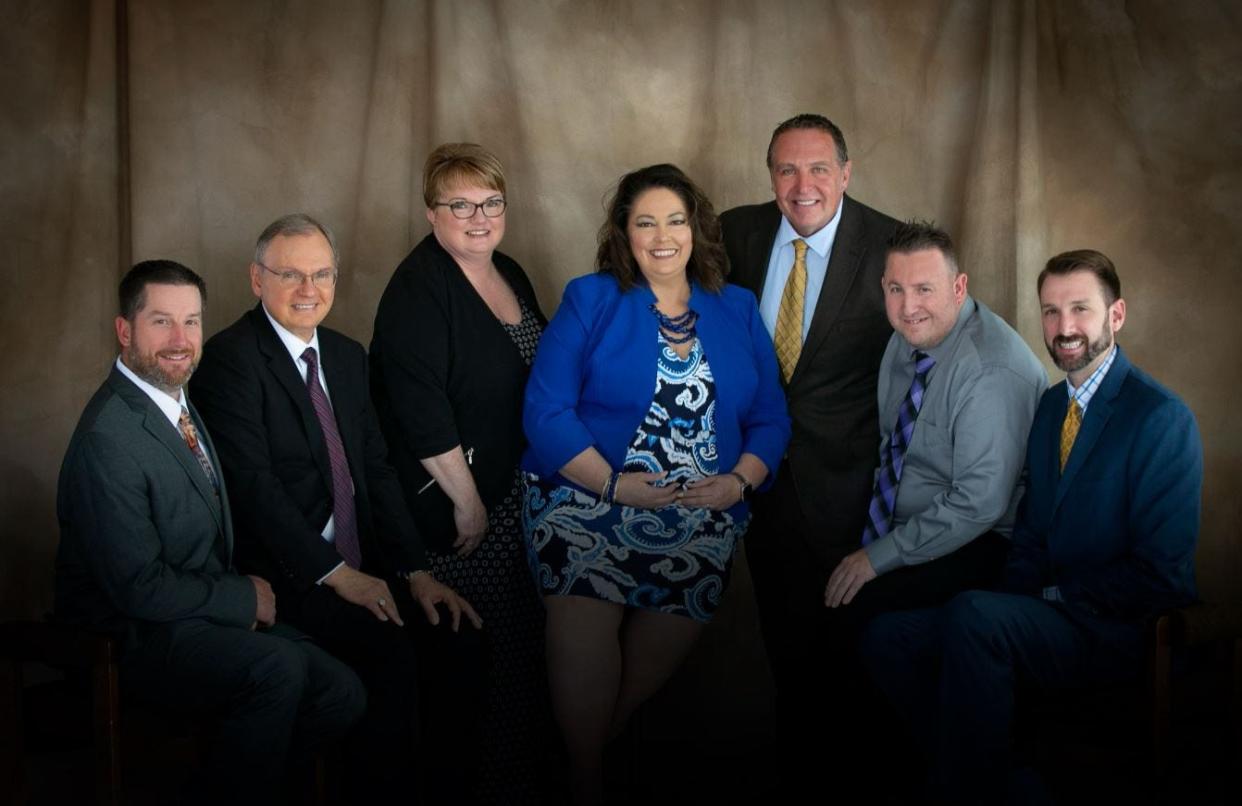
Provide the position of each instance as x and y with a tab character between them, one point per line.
951	673
422	748
823	698
272	692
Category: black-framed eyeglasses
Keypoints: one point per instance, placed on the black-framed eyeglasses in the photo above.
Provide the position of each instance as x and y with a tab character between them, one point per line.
324	278
463	209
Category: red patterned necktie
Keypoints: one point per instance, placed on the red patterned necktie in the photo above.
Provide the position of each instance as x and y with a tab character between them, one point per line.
190	434
343	515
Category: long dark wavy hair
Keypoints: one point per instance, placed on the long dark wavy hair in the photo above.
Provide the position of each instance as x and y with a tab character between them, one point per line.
706	266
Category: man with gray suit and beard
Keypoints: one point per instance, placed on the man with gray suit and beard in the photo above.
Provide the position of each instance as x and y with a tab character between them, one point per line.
146	556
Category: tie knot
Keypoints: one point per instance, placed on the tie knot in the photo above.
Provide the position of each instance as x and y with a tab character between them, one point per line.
923	362
309	356
799	246
185	417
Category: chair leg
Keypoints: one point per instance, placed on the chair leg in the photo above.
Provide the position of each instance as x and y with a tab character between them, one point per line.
1231	669
1159	675
107	728
12	764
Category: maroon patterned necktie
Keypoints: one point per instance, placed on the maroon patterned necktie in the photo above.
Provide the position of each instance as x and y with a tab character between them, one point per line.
190	434
344	518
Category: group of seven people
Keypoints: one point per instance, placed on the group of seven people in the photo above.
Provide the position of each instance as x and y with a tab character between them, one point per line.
808	371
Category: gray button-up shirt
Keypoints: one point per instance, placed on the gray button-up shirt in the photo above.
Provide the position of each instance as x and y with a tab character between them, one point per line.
962	470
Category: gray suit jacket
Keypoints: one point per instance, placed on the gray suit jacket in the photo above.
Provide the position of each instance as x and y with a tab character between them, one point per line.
143	538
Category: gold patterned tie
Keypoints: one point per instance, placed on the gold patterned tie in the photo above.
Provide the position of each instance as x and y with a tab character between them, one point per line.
1069	430
788	336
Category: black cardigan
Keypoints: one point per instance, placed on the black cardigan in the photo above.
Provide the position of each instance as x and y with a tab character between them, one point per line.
444	372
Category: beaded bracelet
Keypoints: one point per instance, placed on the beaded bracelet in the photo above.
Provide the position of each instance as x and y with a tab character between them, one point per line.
609	493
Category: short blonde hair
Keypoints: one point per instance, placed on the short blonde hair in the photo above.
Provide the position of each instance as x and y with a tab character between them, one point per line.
453	164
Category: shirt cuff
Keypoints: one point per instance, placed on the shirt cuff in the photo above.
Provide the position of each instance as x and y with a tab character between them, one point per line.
330	573
883	555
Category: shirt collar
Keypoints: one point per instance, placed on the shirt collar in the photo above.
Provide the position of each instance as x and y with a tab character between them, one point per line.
293	344
166	403
1084	393
818	242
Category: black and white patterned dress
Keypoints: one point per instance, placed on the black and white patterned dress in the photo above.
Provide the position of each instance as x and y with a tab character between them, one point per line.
496	580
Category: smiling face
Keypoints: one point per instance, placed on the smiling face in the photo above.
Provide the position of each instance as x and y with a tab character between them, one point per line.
660	237
164	341
1078	323
468	240
301	308
807	178
922	295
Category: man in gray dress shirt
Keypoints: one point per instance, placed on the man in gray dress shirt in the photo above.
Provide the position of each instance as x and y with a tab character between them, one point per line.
948	484
957	393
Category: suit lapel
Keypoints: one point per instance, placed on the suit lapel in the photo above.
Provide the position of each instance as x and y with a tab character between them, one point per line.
222	505
287	375
342	400
759	240
156	424
1099	410
843	263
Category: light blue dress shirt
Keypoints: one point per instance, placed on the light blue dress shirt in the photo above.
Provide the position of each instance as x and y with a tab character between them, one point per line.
780	264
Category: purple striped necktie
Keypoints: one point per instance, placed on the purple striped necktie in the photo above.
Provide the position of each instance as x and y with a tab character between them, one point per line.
880	512
343	515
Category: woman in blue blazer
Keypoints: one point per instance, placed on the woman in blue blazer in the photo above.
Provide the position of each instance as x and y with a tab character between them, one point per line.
652	409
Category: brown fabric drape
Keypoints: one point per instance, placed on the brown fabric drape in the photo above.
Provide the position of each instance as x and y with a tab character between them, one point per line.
1025	128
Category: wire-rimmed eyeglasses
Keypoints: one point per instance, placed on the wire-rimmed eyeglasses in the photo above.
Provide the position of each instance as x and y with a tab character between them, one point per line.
324	278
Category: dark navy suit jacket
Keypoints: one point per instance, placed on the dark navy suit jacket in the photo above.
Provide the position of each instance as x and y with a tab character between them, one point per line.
1116	532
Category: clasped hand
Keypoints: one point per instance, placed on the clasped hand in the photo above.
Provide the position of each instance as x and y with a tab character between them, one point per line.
712	492
641	490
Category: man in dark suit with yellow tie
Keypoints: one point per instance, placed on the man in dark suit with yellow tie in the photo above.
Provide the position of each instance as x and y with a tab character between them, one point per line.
814	257
146	555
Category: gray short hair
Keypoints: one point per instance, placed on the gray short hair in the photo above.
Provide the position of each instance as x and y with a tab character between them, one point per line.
295	224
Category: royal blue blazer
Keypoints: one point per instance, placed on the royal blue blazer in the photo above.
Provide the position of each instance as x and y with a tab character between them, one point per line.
595	372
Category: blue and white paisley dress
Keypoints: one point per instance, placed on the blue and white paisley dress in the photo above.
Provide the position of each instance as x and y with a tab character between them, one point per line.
673	560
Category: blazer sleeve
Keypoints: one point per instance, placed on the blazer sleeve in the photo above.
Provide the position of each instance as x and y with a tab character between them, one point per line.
228	392
765	424
412	328
122	547
1163	498
550	415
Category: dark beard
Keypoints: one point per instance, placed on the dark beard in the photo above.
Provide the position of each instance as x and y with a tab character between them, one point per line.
148	368
1094	350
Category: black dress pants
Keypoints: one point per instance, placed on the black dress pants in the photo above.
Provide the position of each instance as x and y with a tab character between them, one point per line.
420	748
828	714
271	691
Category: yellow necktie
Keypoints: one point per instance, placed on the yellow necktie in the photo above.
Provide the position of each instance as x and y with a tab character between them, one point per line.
1069	430
788	336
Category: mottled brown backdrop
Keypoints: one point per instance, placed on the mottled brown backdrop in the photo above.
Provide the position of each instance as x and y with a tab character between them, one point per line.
175	129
